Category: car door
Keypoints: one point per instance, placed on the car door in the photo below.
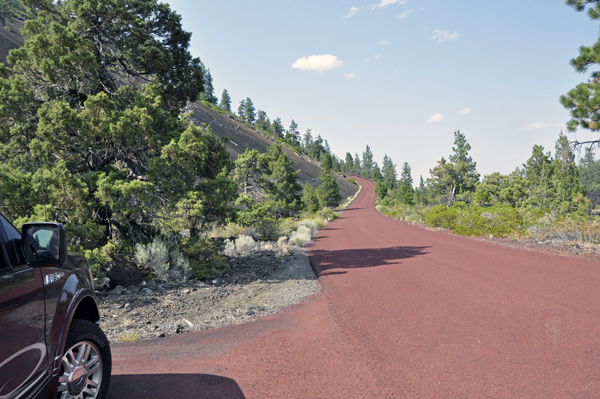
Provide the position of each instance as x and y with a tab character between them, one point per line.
23	355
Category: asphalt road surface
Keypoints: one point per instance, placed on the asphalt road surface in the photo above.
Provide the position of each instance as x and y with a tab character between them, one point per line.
406	312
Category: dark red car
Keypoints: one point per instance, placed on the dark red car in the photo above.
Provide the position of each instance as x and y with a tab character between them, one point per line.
51	345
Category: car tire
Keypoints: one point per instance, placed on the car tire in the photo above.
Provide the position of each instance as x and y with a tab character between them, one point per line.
86	363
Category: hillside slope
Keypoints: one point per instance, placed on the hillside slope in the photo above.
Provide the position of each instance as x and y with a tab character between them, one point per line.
10	37
241	137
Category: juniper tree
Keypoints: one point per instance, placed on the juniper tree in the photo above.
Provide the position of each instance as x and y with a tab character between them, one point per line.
95	95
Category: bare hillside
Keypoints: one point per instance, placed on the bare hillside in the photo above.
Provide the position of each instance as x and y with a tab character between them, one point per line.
10	37
242	137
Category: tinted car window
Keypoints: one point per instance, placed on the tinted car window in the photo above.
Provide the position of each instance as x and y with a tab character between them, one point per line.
13	242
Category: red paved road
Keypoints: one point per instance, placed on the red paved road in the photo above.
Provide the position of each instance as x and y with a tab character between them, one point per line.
406	312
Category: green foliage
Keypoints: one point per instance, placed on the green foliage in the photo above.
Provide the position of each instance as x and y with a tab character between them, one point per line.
225	103
390	177
203	253
366	168
583	101
112	160
442	216
269	186
381	189
456	178
589	171
310	199
328	191
353	181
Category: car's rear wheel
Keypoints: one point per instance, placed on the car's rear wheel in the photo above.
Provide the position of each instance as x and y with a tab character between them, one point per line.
86	363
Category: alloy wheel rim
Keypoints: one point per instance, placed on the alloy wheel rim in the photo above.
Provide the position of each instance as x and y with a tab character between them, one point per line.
80	372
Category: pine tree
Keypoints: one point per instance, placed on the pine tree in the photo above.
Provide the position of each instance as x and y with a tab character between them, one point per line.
310	199
405	192
381	189
209	91
277	128
349	162
582	101
293	135
249	111
367	163
242	110
358	168
262	120
225	103
328	190
390	177
589	171
465	169
307	139
376	174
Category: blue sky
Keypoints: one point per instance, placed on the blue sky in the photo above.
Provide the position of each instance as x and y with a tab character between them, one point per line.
400	76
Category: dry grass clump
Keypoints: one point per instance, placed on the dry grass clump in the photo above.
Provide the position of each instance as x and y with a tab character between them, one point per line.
243	245
302	236
129	336
580	229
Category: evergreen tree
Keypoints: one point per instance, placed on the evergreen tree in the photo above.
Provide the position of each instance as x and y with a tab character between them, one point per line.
405	192
367	163
358	168
307	139
225	103
390	177
326	161
249	111
118	162
443	182
242	110
262	120
421	194
293	135
589	171
277	128
376	174
381	189
328	190
310	199
209	91
465	173
349	162
582	101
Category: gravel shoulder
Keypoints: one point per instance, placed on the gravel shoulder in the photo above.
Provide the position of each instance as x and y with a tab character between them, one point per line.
257	285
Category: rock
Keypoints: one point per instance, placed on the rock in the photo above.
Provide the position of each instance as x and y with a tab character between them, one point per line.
217	281
124	272
146	291
118	290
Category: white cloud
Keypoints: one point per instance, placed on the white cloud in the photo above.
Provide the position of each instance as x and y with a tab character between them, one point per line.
465	111
403	14
443	35
384	43
387	3
352	12
349	75
534	126
436	118
318	63
375	57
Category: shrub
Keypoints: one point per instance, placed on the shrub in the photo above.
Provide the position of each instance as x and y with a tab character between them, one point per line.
245	244
266	228
302	236
154	255
327	214
353	181
203	255
310	224
442	216
287	226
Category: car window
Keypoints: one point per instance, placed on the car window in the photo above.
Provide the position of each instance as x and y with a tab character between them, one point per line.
13	242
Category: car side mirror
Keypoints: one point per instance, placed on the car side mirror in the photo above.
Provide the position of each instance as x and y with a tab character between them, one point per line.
44	244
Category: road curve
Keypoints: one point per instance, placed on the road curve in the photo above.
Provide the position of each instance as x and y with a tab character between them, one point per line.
406	312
